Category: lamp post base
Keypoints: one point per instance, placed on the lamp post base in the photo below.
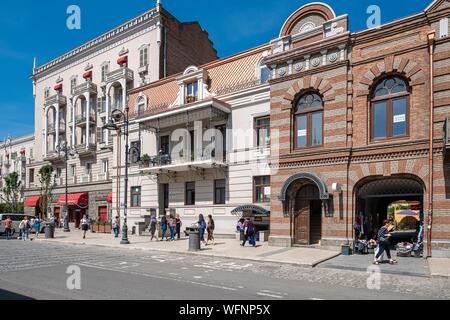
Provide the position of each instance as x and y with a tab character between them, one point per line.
125	235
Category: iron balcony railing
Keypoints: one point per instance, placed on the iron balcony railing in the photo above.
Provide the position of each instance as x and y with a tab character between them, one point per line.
81	119
56	99
83	88
121	73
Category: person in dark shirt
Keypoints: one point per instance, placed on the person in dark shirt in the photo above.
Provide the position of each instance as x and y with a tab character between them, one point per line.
384	236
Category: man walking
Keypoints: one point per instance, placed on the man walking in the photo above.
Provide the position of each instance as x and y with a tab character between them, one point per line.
249	231
8	227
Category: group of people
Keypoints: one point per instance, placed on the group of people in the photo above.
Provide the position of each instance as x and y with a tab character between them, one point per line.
247	228
26	226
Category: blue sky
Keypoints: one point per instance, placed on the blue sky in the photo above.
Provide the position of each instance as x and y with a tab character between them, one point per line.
32	28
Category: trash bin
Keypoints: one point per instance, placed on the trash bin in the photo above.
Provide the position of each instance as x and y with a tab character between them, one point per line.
50	230
194	239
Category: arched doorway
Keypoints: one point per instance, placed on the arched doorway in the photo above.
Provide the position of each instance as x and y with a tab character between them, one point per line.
304	198
380	198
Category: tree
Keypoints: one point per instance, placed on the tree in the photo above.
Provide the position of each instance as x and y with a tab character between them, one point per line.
47	182
12	191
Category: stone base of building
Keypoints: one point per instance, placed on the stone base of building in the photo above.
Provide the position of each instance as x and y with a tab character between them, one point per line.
280	241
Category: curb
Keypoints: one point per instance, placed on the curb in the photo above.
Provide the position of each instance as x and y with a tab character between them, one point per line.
292	263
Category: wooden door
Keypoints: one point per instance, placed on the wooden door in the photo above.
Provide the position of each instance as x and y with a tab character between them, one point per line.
302	222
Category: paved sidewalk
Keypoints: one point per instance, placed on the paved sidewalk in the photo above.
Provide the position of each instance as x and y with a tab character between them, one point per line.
439	267
229	248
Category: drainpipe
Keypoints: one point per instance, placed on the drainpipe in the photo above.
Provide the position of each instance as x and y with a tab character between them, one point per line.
430	183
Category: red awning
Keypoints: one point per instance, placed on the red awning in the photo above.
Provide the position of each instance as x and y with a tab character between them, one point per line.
110	198
32	202
74	199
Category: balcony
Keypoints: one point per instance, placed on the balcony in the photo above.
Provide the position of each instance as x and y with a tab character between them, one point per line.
54	157
120	74
87	87
83	150
59	181
87	178
51	128
80	120
57	99
103	177
165	164
72	180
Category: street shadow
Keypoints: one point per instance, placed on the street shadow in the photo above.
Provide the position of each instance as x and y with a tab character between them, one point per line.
11	296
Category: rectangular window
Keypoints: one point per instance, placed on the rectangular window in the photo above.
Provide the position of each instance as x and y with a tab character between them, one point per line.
262	127
143	57
31	153
105	166
379	120
165	145
443	28
88	168
73	83
190	194
316	129
399	117
262	189
47	93
73	169
105	70
191	92
58	172
165	188
302	131
31	176
135	197
219	191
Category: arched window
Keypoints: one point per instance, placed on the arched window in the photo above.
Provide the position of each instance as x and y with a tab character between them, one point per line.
264	73
390	109
308	127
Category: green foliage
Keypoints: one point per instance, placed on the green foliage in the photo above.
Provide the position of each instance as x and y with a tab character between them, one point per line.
12	192
46	180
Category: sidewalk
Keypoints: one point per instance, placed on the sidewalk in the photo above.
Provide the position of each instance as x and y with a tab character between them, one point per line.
439	267
224	248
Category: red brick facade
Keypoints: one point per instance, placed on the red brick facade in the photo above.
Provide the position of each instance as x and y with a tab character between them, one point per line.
344	68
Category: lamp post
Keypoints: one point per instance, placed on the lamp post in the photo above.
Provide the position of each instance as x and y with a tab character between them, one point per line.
66	151
118	116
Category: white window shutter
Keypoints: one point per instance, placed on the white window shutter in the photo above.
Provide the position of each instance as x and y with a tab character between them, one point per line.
443	28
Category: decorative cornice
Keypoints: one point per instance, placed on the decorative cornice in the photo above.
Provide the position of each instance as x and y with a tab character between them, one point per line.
108	36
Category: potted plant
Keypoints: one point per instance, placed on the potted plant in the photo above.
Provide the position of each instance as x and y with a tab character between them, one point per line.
146	160
108	227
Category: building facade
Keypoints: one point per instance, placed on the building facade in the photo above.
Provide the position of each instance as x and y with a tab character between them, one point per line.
361	124
204	138
15	155
76	93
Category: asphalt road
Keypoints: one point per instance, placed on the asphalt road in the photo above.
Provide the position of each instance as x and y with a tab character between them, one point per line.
34	270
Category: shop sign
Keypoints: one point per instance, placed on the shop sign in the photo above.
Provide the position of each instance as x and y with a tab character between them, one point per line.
400	118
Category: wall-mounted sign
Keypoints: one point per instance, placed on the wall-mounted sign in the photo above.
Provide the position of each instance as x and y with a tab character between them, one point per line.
400	118
302	133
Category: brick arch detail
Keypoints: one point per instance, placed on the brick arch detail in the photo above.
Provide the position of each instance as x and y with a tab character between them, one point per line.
408	68
308	83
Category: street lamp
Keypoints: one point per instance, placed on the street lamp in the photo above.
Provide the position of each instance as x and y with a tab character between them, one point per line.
119	116
66	151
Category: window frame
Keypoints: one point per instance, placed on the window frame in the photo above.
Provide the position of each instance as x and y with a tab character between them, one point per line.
216	188
308	112
257	131
255	186
195	94
143	57
138	194
389	100
192	190
104	71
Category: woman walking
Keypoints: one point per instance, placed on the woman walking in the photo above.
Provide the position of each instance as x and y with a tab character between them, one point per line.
172	226
163	226
24	228
178	228
116	226
384	236
210	228
84	226
153	224
249	233
37	226
202	228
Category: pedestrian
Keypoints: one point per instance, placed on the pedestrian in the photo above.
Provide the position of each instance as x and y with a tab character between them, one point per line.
240	227
202	228
84	226
210	229
116	226
24	228
172	226
153	224
249	232
56	220
179	225
163	226
384	236
8	227
37	226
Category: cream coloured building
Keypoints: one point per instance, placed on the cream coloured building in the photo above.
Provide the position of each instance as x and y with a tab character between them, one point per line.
76	92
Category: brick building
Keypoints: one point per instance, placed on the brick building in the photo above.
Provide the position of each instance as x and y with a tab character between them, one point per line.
350	122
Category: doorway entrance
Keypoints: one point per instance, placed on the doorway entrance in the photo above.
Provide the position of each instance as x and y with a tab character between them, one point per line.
307	216
103	214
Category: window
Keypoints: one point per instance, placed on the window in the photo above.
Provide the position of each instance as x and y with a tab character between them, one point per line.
165	145
46	93
443	28
31	178
262	127
88	168
105	166
261	186
219	191
105	71
264	73
190	194
308	124
73	83
58	172
390	109
101	105
143	57
135	197
31	153
73	169
192	92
